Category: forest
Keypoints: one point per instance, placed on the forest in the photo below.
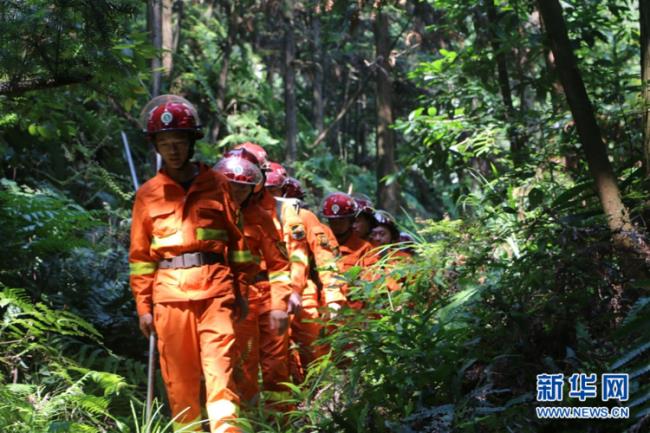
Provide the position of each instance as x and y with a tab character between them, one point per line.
509	138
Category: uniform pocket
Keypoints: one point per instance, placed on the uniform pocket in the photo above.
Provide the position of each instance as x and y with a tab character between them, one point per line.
163	221
209	213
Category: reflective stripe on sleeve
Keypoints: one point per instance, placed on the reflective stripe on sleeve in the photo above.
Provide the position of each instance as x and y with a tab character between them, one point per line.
299	257
241	256
142	268
205	234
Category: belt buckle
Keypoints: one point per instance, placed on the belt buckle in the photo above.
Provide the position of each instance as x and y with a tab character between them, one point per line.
195	260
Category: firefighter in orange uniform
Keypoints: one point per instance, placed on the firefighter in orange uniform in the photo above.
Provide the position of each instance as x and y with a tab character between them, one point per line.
384	238
322	286
340	211
186	290
262	337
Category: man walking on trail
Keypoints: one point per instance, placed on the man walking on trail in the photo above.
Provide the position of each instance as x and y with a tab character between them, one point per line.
262	337
319	279
340	210
186	290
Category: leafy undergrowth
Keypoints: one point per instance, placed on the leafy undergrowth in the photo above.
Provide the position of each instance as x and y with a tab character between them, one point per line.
515	290
484	307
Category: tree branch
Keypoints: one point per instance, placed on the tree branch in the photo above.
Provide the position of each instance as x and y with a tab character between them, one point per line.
13	88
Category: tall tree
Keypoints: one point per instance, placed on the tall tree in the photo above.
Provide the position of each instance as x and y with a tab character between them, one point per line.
230	12
167	38
503	75
290	120
154	26
319	110
618	218
644	16
387	192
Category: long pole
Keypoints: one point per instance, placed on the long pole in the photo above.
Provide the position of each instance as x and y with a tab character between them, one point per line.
150	379
129	160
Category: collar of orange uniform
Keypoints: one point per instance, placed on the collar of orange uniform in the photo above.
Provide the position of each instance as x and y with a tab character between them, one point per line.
203	180
353	244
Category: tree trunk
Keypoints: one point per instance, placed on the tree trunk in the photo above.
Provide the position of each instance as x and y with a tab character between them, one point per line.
503	79
624	233
222	80
319	111
387	193
167	29
644	14
290	94
176	36
154	25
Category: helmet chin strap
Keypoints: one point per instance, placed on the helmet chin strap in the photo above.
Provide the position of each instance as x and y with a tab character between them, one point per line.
248	198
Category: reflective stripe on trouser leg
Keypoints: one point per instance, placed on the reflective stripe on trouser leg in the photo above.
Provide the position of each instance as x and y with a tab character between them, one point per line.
217	340
247	337
220	412
274	356
180	362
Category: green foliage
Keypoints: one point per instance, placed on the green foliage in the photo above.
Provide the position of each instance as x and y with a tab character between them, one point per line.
322	174
68	255
50	391
516	276
52	39
528	285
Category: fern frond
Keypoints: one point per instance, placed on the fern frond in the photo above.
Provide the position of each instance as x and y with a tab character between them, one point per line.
629	356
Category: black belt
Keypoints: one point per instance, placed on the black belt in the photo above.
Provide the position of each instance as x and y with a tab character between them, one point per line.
261	276
191	260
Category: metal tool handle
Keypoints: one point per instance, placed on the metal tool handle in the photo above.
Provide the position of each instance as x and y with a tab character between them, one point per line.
129	160
151	369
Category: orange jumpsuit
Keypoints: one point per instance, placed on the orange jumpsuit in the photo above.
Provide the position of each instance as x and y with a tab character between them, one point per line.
309	252
322	288
256	342
355	252
192	307
394	257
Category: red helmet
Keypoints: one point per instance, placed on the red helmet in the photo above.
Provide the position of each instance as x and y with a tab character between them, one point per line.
170	113
242	153
258	151
275	176
363	203
274	166
239	170
292	188
338	205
